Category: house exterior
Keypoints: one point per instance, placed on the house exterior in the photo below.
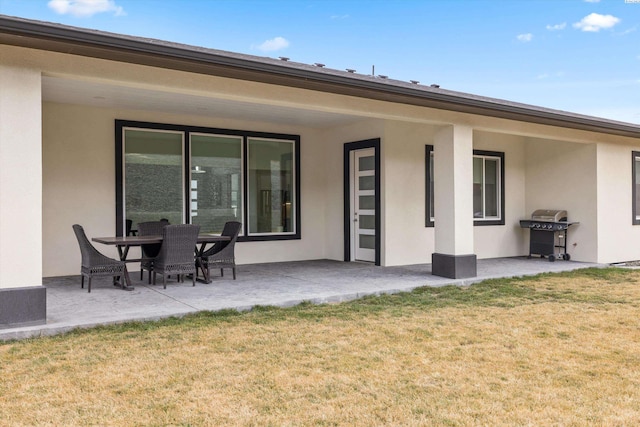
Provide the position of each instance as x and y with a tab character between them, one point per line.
99	128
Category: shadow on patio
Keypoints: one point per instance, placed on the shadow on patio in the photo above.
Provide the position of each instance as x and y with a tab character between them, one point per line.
279	284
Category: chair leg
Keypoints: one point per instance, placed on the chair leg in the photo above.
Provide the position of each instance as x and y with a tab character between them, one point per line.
141	273
222	272
164	281
126	278
234	272
150	277
154	277
89	284
82	281
193	277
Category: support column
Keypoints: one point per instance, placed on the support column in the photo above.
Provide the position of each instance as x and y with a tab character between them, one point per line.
453	200
22	296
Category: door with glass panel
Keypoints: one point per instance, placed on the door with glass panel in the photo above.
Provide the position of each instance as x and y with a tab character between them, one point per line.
363	206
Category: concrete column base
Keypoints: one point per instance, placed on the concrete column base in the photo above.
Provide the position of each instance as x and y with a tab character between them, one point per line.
454	266
23	306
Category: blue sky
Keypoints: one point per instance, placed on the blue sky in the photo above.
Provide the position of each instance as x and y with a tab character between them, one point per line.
575	55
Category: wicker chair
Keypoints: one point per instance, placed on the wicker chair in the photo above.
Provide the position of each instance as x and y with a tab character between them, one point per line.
222	254
129	231
177	252
96	264
149	252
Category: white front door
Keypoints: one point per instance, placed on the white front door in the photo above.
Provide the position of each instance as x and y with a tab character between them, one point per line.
363	206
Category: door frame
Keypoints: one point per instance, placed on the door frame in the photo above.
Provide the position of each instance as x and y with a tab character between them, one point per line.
348	148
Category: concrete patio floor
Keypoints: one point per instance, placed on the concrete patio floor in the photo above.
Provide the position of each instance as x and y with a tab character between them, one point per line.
278	284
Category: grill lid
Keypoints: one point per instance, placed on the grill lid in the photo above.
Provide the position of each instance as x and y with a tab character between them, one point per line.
549	215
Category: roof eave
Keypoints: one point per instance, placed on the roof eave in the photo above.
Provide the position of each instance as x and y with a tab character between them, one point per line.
77	41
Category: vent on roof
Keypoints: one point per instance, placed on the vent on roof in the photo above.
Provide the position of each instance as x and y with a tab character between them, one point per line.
351	70
382	76
283	58
436	86
415	82
319	65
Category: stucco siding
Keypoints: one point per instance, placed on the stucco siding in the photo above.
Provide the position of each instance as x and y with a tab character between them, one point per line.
406	239
20	177
79	184
562	175
618	238
492	241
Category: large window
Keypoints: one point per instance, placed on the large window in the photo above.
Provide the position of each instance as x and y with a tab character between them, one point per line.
635	166
488	187
208	177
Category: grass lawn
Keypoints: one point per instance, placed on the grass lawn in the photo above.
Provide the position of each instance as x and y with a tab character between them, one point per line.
556	349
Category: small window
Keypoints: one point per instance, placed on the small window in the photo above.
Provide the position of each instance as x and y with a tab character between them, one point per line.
488	187
429	205
636	187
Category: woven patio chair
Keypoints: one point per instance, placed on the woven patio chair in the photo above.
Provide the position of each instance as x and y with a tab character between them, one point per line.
149	252
177	252
95	264
129	231
222	254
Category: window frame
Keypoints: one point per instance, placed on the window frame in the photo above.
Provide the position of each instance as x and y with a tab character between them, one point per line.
428	155
635	216
500	156
122	125
430	222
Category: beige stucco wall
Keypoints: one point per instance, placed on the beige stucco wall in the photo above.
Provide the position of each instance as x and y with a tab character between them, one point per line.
79	184
618	238
20	177
563	175
493	241
406	239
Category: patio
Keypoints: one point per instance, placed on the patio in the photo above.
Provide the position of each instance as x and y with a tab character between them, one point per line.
278	284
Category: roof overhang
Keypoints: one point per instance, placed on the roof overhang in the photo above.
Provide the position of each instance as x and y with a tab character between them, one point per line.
156	53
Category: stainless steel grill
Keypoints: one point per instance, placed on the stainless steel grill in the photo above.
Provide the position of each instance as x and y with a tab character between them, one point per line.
548	233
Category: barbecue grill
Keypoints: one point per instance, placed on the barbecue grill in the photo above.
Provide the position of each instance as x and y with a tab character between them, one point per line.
548	230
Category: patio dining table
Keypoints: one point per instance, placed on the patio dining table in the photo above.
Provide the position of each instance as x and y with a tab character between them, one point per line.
123	243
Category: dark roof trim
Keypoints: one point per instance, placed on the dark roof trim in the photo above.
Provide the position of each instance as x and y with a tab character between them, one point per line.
157	53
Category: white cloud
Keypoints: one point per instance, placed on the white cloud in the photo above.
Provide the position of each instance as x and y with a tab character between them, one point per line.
340	17
592	1
277	43
557	27
596	22
85	8
525	37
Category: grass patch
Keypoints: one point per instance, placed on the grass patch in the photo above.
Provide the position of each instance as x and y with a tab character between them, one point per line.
554	349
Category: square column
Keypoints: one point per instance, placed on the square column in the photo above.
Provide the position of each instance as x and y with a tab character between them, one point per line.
22	296
453	200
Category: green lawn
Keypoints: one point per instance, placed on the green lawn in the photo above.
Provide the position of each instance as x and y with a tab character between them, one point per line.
556	349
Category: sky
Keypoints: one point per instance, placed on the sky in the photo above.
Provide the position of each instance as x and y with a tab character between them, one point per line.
581	56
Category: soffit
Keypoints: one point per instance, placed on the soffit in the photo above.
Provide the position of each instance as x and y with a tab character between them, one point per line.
102	95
